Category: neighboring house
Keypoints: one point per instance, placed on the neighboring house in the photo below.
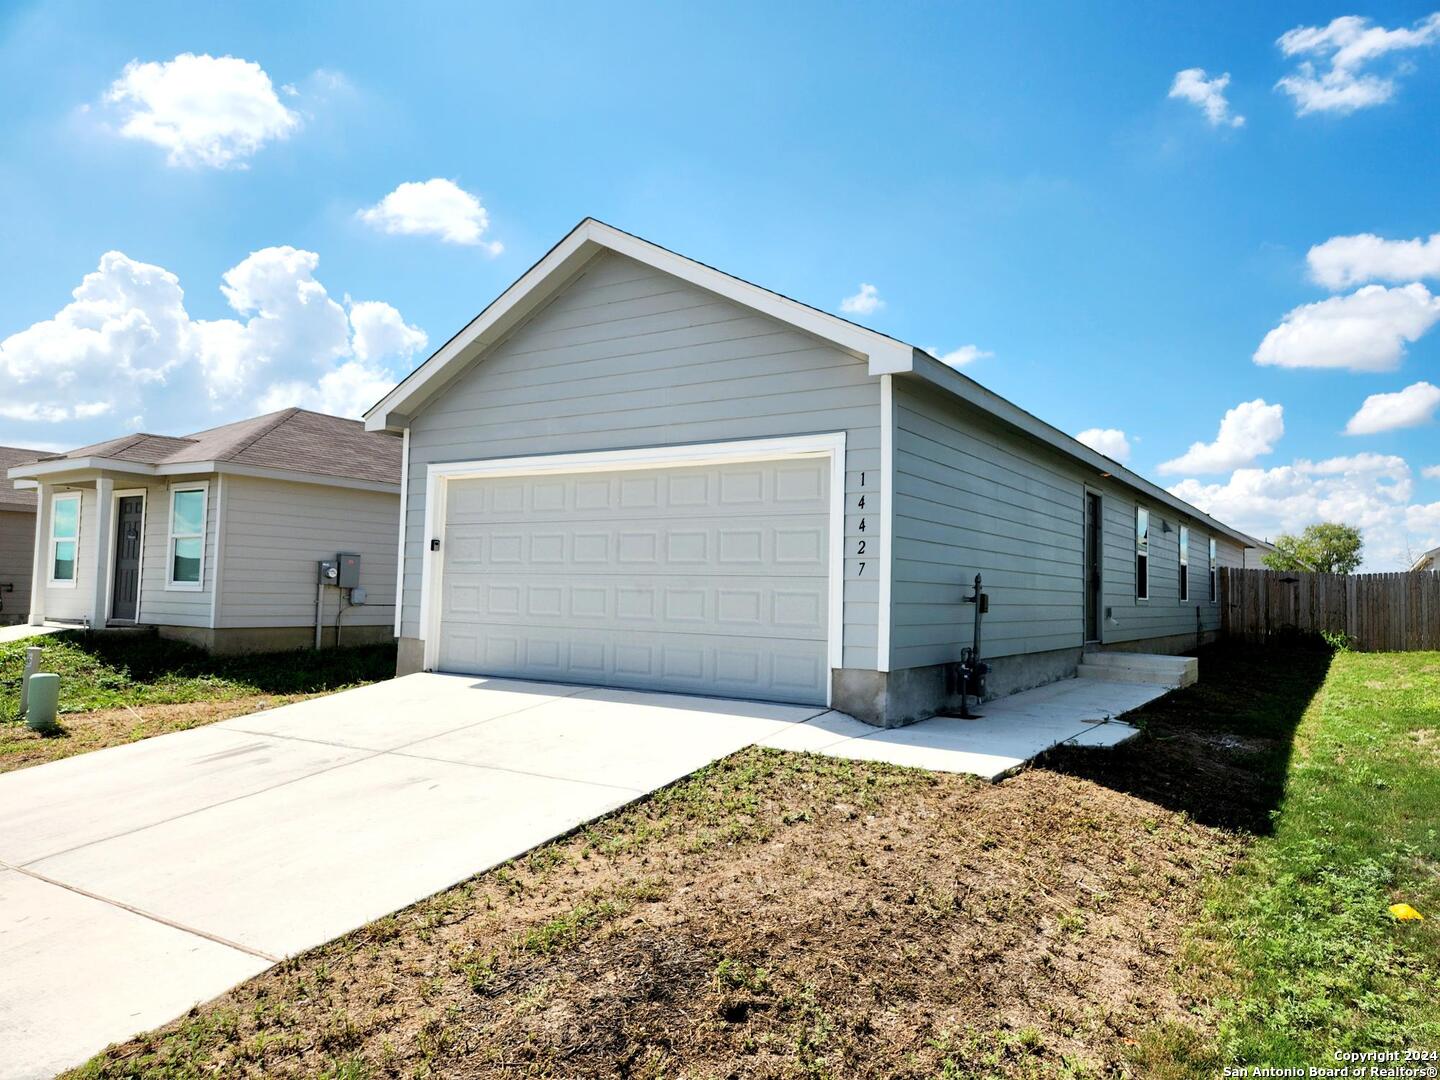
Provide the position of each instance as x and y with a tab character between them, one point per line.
635	470
215	538
17	538
1429	561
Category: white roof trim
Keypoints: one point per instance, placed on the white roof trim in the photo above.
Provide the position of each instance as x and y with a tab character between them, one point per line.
885	355
967	389
37	470
563	261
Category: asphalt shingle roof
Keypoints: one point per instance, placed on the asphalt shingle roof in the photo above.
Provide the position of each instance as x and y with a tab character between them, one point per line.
10	497
293	439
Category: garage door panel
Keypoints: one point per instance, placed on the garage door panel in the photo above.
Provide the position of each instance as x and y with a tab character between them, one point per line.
744	604
736	665
749	545
710	579
757	489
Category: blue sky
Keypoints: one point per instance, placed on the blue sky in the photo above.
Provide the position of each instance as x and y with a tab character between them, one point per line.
1014	178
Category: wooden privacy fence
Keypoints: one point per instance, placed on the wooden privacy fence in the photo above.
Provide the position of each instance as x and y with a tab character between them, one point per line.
1378	612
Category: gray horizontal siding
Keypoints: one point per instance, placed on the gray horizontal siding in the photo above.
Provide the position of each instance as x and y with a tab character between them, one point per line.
275	533
972	497
17	558
627	356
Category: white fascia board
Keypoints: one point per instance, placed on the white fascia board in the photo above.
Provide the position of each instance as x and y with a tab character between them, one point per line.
56	471
50	469
564	260
258	472
393	411
968	390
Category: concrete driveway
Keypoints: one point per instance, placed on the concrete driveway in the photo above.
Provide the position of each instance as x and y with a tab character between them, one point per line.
137	881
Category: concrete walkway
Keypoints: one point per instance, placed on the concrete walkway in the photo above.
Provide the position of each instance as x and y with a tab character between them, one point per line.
21	631
1009	732
139	880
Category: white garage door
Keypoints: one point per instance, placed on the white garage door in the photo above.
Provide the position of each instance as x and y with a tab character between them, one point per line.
710	579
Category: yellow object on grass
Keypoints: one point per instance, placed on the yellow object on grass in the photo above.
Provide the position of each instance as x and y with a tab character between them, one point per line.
1405	913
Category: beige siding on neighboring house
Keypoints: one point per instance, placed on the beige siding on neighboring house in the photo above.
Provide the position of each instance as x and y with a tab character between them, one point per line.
160	604
17	556
974	497
628	356
275	533
66	604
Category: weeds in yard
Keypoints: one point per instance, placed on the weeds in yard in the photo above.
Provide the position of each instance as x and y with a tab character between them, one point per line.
103	671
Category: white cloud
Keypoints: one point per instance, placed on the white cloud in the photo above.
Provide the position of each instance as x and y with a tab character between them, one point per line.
1369	491
347	390
204	110
380	331
1365	331
1349	44
1431	472
437	207
1343	261
126	344
1411	407
865	302
1208	95
1248	430
1109	441
958	358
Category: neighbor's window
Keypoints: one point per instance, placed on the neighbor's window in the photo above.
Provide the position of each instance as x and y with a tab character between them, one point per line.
1214	574
1142	553
187	536
64	539
1184	563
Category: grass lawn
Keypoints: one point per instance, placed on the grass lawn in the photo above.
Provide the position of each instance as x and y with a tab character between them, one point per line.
1213	893
120	688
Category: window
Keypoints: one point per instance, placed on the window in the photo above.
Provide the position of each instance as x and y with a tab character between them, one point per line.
1184	563
1142	553
187	536
1214	574
64	539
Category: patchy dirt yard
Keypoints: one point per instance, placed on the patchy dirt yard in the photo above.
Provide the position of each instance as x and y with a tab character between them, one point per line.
775	915
786	915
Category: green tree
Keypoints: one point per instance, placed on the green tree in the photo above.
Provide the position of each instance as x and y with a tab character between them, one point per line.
1325	548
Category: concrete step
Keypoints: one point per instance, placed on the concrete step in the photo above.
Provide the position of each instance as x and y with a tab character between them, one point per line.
1147	668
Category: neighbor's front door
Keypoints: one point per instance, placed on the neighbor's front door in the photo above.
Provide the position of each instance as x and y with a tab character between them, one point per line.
125	603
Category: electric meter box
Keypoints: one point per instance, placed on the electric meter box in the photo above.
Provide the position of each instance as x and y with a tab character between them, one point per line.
328	572
349	570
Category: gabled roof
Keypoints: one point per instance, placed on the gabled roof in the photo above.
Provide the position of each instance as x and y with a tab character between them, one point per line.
885	355
558	268
11	497
1429	561
291	440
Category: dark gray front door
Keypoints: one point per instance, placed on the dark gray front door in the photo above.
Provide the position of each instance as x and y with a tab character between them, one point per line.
125	604
1094	544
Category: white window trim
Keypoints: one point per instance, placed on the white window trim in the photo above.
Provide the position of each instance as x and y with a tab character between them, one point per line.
439	475
1183	544
1212	552
1135	529
171	585
51	580
144	496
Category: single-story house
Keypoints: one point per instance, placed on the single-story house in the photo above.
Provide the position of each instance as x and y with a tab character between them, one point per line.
17	538
1429	561
633	469
216	538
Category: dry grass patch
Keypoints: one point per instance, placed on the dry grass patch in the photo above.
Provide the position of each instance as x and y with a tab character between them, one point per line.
776	915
